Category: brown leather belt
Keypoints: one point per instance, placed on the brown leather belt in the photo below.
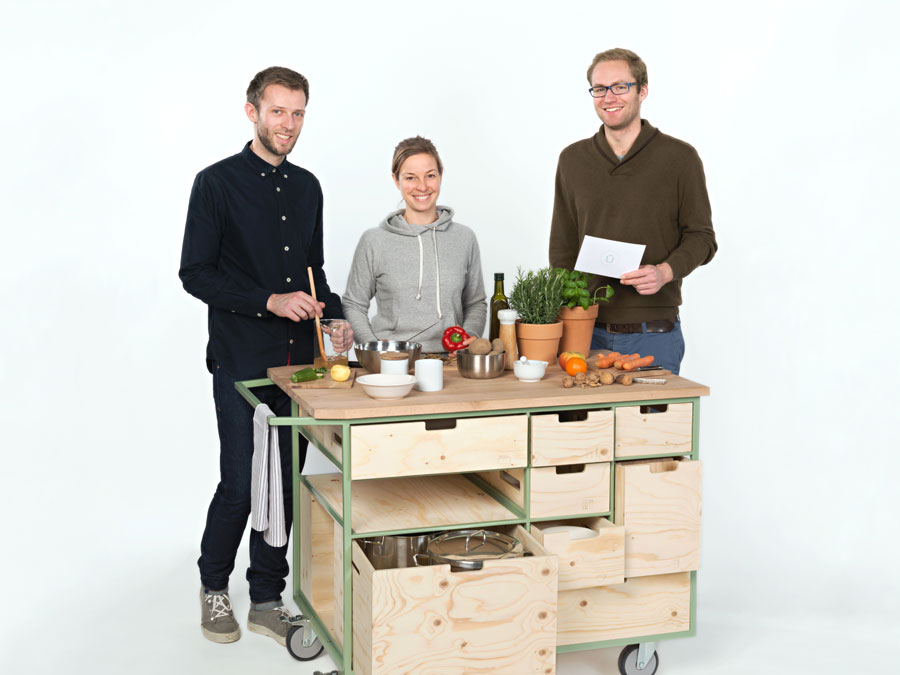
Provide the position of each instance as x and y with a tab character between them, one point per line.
658	326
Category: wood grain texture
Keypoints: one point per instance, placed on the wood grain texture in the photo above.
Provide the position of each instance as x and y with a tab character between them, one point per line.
503	481
659	504
584	563
317	556
638	607
409	449
403	503
337	583
464	395
640	433
555	442
569	494
329	436
500	619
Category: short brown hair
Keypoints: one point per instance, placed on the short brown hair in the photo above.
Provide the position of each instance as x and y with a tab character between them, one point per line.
414	146
275	75
635	63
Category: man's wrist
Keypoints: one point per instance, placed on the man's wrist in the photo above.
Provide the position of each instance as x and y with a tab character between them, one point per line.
667	272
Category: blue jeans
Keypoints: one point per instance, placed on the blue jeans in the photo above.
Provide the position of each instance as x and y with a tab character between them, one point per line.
230	506
667	348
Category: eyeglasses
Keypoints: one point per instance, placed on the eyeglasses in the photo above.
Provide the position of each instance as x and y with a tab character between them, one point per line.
618	89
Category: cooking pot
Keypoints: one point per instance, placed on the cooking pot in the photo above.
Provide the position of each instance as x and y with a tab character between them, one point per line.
468	549
396	550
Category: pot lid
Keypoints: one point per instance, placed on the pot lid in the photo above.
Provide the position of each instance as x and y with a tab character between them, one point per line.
474	545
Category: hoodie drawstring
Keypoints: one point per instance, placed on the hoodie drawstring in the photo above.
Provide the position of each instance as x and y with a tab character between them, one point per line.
437	272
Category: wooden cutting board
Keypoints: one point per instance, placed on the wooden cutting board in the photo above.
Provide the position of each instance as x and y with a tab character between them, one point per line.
282	377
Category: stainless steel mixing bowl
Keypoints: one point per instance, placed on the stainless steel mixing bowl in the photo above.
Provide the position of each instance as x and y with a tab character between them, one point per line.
480	366
369	353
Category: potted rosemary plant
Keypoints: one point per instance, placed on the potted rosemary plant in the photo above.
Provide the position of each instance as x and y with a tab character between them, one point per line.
537	297
579	311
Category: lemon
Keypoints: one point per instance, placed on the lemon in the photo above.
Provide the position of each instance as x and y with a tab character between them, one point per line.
340	373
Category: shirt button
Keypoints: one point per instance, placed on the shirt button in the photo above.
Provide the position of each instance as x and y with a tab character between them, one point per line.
287	248
278	189
263	174
288	280
285	175
291	341
284	217
259	315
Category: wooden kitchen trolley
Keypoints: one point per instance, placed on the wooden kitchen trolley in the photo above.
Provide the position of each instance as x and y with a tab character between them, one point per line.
512	457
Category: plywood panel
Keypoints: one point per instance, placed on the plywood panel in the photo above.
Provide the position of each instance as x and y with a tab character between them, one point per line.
508	482
659	504
418	501
657	433
554	441
638	607
569	494
583	563
411	449
500	619
316	556
337	583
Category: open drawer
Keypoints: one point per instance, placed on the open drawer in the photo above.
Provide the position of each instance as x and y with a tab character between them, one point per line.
593	561
438	446
499	619
658	501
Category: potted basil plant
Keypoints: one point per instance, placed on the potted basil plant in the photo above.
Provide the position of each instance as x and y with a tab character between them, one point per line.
579	311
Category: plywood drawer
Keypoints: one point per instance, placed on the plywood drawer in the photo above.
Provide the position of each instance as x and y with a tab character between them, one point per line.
500	619
571	437
570	490
659	504
638	607
327	436
639	431
584	563
438	446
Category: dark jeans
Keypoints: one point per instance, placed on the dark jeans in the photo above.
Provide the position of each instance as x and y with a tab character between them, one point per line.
666	348
230	506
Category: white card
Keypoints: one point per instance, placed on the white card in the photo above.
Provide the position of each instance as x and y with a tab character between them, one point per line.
607	257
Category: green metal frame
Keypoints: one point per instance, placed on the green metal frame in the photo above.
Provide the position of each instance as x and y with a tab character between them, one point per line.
343	657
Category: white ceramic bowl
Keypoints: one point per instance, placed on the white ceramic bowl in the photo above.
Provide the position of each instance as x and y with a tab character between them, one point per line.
574	531
529	371
382	385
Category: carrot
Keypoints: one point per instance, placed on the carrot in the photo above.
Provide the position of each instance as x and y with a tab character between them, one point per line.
608	360
637	363
624	359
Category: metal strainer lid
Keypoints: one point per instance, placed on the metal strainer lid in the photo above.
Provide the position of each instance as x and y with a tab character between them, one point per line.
461	545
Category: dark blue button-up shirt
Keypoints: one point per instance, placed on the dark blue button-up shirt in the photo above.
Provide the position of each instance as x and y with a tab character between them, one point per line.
252	230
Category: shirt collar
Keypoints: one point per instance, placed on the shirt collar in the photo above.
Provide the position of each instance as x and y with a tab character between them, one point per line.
261	167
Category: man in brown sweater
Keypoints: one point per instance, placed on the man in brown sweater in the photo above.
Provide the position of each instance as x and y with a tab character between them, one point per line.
632	183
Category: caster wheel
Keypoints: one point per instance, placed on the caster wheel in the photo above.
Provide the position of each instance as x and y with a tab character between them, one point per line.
628	662
295	645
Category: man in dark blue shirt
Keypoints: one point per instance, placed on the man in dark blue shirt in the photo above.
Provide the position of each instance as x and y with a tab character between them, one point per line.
254	225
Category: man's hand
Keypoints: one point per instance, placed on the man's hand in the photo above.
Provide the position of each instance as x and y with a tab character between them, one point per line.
294	306
648	279
340	332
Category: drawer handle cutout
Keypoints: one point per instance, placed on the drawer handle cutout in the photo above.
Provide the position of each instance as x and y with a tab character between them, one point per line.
571	468
337	439
434	425
573	416
512	480
654	409
663	467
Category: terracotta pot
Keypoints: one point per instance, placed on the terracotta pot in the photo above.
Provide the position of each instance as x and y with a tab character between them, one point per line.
539	341
578	328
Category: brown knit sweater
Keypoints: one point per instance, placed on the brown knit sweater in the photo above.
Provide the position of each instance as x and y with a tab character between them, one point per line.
655	196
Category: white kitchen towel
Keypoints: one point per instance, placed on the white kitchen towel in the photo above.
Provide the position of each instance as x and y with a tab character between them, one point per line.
266	497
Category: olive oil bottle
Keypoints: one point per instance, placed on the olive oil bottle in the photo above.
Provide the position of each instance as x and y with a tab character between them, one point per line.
498	301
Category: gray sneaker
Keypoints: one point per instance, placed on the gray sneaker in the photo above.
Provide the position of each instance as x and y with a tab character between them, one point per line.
274	622
217	618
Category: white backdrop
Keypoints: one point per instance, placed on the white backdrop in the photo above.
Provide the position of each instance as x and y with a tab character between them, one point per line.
111	108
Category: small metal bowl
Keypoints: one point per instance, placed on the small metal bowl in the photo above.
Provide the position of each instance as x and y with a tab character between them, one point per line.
480	366
369	353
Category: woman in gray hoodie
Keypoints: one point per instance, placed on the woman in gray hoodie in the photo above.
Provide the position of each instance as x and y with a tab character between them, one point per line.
422	268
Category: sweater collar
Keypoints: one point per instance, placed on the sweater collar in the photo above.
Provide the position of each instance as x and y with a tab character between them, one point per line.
647	134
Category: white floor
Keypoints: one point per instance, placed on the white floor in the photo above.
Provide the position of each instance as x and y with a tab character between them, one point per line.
153	627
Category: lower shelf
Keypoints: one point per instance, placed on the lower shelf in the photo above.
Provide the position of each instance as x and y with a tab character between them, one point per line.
390	504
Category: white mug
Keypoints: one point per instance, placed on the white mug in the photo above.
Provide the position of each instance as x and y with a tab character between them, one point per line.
395	367
429	374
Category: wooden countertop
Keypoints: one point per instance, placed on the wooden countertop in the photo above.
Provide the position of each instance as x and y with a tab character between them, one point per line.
465	395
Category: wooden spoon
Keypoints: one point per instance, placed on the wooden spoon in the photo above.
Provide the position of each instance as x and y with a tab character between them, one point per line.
312	287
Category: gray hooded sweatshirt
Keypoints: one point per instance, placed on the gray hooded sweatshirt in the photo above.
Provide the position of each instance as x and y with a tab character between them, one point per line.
419	275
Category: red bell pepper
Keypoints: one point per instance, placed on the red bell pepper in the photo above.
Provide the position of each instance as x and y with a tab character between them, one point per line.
453	338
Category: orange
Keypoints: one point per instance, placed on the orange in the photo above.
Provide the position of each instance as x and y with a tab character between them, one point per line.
575	364
565	356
